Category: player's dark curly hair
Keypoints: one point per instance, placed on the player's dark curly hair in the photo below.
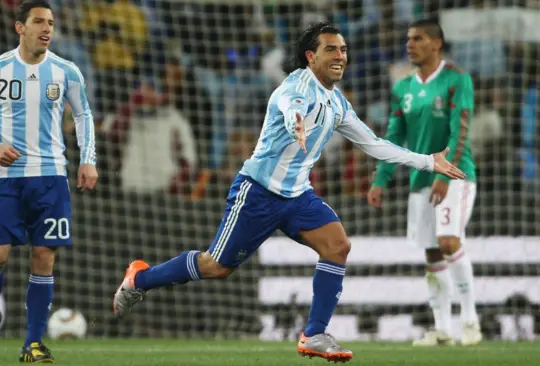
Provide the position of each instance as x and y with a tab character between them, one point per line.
308	41
26	6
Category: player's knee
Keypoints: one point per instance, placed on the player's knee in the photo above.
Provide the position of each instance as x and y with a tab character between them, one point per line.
42	260
210	268
434	255
336	250
4	254
449	244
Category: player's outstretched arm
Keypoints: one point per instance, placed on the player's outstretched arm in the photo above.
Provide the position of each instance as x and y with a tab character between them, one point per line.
84	125
359	134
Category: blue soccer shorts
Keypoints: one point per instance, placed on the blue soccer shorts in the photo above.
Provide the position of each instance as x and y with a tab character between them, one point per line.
253	213
37	206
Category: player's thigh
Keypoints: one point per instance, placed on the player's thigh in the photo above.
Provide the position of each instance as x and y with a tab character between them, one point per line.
252	214
48	206
421	220
453	213
308	214
12	225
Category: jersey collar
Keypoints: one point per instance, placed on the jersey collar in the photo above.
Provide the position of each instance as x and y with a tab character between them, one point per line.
328	92
19	58
432	76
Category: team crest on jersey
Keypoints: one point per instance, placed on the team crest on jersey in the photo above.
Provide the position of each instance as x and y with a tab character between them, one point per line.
53	91
438	106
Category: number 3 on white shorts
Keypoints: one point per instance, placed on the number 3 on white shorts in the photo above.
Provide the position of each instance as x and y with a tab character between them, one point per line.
60	226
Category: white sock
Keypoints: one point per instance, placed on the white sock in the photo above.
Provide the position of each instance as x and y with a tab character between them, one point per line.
440	295
461	270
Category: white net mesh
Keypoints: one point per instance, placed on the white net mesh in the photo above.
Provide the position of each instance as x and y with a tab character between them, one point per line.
179	90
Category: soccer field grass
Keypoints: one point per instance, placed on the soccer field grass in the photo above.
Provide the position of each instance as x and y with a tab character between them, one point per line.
228	353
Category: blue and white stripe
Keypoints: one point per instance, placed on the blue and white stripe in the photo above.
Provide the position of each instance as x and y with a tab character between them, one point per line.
33	123
330	268
232	218
278	163
192	265
41	280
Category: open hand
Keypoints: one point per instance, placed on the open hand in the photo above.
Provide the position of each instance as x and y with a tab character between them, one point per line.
300	132
443	166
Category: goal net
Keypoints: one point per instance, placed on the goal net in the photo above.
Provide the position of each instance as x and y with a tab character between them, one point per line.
179	91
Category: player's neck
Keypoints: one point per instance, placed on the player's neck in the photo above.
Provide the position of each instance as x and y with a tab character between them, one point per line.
428	68
30	57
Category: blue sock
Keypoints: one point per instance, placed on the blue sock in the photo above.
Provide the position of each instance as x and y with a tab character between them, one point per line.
327	286
38	302
177	270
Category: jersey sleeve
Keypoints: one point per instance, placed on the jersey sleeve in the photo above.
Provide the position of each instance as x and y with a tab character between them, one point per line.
396	134
84	122
294	98
461	111
352	128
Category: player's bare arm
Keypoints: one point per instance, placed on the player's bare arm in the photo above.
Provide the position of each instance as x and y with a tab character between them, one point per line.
8	155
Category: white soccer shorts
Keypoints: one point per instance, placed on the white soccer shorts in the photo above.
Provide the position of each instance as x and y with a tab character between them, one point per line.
426	222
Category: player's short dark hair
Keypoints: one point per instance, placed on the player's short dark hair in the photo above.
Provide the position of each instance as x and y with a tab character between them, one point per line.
26	6
308	41
432	28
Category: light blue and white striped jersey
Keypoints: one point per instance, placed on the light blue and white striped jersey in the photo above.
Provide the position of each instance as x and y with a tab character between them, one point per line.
279	164
31	108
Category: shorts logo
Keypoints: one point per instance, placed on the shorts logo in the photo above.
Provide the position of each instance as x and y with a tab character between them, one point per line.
241	255
53	91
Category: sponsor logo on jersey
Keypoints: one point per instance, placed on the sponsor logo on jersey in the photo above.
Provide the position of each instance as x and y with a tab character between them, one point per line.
53	91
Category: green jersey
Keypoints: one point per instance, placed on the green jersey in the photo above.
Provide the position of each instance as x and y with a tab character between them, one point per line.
428	117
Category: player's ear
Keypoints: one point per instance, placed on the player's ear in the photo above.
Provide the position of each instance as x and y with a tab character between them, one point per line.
438	44
310	56
19	27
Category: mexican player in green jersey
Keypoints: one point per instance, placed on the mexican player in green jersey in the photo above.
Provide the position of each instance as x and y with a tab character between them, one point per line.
430	110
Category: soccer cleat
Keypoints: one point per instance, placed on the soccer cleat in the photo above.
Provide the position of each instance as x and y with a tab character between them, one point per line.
127	295
324	346
36	353
471	334
434	338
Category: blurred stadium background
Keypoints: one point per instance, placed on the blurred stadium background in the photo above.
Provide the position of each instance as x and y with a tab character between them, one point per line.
179	90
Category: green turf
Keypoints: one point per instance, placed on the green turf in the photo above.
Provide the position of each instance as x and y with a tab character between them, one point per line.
237	353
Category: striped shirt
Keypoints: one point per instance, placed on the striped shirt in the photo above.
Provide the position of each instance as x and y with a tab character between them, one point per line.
31	108
279	164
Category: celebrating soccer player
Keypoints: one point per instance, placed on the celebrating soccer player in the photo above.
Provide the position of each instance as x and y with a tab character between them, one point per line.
34	192
431	109
272	191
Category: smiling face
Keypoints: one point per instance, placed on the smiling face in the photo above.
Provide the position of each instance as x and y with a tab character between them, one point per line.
421	47
329	60
37	32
